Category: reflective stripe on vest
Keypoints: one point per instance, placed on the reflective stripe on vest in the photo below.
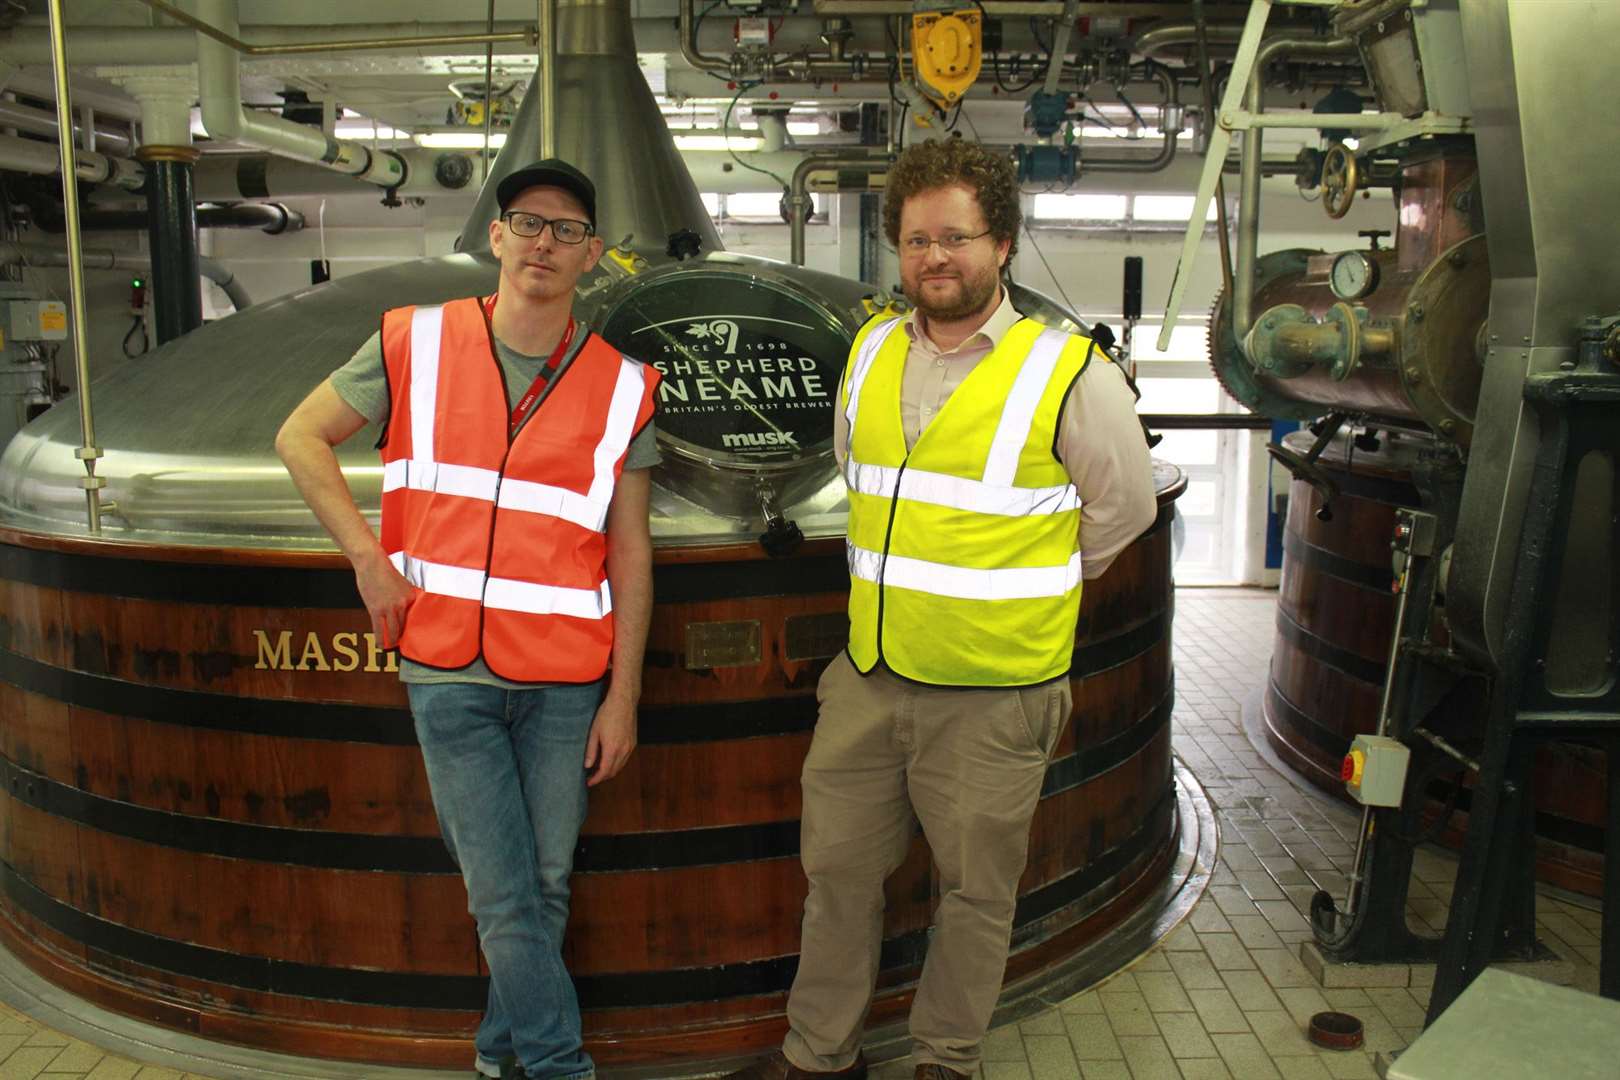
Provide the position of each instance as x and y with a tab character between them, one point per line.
963	582
964	549
536	505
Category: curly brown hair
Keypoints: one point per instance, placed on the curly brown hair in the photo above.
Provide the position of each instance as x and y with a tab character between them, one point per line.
926	166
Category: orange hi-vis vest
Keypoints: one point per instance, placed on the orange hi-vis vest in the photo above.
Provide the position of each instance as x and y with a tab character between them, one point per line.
504	535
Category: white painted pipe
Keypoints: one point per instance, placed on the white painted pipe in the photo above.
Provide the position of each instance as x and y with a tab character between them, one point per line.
219	85
107	259
43	159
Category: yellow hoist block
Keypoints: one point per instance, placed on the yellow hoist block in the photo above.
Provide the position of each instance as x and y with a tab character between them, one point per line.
948	50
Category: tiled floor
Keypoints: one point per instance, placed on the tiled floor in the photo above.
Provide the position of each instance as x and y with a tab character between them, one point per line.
1224	997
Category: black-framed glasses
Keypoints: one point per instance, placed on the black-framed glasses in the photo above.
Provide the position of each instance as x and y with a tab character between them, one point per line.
951	242
564	230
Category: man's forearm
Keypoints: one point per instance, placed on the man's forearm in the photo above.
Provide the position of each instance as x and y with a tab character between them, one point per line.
629	571
314	469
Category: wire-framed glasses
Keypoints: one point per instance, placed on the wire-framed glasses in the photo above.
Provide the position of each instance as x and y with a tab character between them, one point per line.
918	244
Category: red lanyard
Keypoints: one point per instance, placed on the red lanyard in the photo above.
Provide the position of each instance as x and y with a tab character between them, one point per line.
526	404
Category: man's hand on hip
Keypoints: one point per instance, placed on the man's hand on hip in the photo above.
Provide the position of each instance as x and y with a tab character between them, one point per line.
387	596
612	739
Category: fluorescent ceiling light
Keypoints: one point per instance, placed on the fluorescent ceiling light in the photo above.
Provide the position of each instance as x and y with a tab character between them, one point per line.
459	140
364	129
715	142
805	127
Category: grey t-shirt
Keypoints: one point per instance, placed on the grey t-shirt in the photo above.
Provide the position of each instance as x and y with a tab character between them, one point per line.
363	384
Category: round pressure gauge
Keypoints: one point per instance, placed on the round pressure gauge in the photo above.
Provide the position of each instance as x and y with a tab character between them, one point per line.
1353	276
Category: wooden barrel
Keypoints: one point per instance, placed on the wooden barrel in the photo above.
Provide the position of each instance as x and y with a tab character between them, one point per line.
1335	617
214	816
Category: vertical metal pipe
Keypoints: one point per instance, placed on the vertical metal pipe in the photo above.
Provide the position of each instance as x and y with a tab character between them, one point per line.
171	203
871	217
1206	77
489	73
89	451
548	78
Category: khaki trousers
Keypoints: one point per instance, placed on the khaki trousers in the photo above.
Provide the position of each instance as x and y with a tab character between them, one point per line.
969	764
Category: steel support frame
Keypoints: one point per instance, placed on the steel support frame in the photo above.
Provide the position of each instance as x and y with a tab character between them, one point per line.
1576	414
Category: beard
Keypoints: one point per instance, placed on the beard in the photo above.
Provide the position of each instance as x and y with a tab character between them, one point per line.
973	291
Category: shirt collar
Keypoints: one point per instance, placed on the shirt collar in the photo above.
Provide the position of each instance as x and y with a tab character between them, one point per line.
990	334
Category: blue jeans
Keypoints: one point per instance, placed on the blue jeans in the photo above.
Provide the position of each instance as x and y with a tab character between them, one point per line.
507	769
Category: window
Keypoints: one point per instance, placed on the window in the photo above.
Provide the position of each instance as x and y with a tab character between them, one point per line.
1167	208
758	207
1159	213
1085	207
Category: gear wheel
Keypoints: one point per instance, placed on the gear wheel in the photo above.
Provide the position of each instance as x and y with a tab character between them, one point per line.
1217	331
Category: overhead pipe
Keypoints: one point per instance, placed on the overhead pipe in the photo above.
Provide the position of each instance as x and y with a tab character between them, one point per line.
230	177
798	200
1167	149
38	255
45	159
164	45
1249	168
272	218
1151	44
219	84
227	36
40	122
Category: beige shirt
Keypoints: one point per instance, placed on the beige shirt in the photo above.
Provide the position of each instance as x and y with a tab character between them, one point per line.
1100	443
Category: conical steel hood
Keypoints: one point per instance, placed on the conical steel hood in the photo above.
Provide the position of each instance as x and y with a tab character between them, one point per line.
609	126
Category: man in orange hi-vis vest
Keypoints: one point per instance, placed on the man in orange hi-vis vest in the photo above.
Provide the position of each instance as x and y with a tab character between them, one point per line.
513	573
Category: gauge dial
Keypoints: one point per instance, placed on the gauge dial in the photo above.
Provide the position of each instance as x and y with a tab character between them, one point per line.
1353	276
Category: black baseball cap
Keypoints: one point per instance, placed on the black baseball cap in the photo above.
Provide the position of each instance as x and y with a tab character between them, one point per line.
552	172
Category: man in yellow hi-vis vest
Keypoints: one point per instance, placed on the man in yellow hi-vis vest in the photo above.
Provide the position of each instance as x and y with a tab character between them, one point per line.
981	451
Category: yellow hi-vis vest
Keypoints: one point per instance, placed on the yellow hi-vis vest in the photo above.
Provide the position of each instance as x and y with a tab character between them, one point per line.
964	555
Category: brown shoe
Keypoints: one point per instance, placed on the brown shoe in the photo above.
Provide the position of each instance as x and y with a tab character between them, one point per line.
933	1071
778	1067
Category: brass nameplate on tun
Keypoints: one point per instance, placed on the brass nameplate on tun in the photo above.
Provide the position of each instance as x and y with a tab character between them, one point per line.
722	644
816	637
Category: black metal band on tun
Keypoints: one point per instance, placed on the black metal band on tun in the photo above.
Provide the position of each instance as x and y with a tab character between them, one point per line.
305	587
383	726
1342	660
384	853
1364	485
1090	762
1096	657
468	993
1310	557
1333	744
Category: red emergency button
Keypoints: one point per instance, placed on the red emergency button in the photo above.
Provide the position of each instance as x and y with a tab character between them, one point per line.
1350	770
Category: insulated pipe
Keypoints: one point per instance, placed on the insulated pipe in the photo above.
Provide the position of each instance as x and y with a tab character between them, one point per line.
44	159
219	84
230	177
273	218
171	223
1249	169
39	122
38	255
